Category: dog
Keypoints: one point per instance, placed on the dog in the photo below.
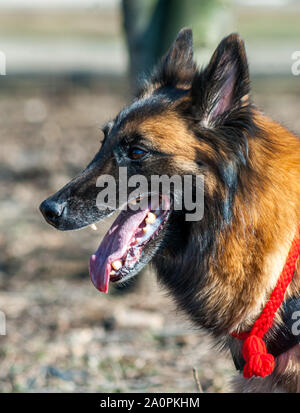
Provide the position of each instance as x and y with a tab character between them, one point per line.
221	269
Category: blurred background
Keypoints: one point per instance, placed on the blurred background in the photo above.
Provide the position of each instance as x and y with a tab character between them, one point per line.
70	66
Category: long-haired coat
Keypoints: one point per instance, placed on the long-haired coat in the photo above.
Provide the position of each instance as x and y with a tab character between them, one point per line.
222	269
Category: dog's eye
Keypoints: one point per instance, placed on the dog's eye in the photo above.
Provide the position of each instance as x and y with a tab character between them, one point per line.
137	154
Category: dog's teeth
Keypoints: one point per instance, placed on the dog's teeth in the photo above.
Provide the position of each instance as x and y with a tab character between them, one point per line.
145	229
93	227
116	265
150	218
112	273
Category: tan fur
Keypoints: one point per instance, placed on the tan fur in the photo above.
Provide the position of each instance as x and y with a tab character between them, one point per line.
251	263
252	253
250	257
167	133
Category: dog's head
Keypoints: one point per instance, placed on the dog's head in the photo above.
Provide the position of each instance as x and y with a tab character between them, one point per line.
184	122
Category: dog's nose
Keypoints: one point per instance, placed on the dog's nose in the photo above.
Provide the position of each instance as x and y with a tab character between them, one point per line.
52	211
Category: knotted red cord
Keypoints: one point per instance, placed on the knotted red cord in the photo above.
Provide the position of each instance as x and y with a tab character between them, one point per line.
258	361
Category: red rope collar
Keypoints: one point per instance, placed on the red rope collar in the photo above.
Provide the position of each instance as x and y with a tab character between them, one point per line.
258	361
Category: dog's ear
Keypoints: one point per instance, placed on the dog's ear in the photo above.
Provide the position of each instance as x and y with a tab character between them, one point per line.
223	86
177	67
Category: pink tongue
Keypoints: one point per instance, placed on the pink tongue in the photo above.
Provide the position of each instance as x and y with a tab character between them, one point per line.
114	246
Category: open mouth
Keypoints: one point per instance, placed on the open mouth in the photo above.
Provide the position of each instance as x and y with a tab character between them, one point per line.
122	247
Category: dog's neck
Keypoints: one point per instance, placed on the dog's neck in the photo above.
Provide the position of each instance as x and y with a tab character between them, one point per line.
224	275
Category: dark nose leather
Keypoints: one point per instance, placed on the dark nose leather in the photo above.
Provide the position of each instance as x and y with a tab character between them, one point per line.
52	211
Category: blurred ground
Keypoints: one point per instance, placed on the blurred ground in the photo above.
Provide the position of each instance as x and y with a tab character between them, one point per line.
62	335
91	39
